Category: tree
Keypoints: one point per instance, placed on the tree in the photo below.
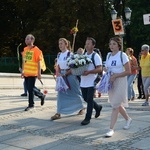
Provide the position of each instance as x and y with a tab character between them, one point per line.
18	18
94	20
139	32
49	20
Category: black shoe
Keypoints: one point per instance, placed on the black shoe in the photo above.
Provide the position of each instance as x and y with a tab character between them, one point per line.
143	97
98	111
85	122
42	100
24	94
139	97
29	108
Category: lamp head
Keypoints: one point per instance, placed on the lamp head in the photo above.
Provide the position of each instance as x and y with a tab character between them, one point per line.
113	14
128	12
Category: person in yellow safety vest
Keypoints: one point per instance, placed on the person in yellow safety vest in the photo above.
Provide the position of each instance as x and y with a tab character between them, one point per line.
145	71
31	68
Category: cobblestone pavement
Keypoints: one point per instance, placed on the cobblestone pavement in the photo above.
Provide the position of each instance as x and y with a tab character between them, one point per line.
20	130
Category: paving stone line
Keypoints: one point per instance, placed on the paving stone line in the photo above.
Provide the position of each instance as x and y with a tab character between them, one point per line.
127	143
23	113
40	109
99	144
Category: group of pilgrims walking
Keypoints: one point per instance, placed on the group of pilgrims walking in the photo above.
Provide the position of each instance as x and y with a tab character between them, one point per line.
122	66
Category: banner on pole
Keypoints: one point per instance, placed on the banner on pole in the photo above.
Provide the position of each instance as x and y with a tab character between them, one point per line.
118	27
43	66
146	19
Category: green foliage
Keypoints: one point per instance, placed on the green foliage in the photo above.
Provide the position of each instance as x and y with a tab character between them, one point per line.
94	20
49	20
139	33
18	18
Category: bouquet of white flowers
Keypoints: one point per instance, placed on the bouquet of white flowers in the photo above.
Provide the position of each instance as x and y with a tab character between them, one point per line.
78	63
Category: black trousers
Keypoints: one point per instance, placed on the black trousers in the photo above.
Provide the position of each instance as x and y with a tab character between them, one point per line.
88	94
140	84
37	92
30	83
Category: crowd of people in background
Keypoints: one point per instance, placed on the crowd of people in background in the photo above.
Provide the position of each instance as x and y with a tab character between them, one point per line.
124	68
145	71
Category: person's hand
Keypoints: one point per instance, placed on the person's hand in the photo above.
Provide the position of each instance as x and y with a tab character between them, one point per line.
85	73
22	75
59	74
112	77
105	69
39	76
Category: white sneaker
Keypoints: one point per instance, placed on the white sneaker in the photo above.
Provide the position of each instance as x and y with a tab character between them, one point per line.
128	123
109	133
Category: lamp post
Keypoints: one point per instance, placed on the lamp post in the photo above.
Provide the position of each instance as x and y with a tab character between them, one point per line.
125	22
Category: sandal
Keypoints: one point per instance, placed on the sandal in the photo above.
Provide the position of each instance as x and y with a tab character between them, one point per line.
81	112
55	117
132	99
99	94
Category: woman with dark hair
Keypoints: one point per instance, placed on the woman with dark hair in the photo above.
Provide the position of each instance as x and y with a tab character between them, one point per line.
117	63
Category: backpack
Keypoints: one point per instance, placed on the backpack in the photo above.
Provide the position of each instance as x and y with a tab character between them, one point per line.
98	51
99	75
68	54
93	61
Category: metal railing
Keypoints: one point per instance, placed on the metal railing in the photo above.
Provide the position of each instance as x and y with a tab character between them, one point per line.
10	64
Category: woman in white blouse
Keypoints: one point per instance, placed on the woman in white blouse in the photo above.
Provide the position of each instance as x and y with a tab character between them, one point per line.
118	63
70	101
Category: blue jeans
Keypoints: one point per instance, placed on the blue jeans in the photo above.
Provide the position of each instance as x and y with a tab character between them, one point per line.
133	93
130	80
146	84
88	94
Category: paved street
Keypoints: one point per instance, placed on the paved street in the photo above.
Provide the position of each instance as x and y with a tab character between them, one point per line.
33	130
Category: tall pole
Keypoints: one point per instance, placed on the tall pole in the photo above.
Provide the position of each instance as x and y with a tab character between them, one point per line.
74	36
122	42
18	55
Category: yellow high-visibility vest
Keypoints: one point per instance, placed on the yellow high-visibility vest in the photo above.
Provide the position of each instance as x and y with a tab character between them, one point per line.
31	57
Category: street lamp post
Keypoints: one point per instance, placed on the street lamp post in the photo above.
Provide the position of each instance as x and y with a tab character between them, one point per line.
126	22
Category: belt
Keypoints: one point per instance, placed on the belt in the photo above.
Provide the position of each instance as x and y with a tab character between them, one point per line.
64	69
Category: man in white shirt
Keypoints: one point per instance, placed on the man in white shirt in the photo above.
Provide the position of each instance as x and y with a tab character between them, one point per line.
87	81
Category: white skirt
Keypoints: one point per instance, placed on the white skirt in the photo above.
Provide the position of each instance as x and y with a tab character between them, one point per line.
118	93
